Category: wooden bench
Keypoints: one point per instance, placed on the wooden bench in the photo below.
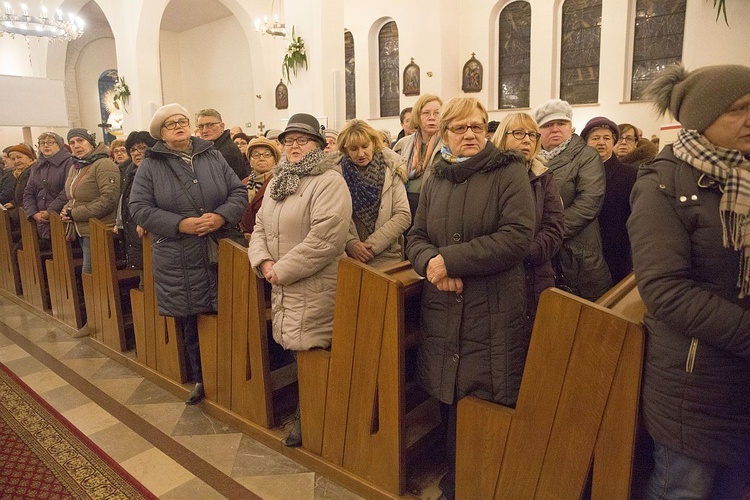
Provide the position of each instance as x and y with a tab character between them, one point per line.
33	281
234	345
578	402
159	347
10	278
354	398
61	277
106	320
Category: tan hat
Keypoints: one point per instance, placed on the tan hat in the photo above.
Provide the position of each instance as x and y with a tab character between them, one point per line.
266	143
162	114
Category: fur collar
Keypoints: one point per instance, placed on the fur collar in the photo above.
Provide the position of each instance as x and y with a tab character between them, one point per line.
487	160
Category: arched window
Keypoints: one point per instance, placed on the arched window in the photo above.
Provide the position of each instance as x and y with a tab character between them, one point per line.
514	56
579	54
388	62
351	91
659	28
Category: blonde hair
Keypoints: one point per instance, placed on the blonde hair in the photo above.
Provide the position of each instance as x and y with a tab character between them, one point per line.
116	144
416	111
359	132
510	122
459	108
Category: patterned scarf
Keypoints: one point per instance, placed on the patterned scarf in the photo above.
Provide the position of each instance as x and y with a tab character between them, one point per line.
186	156
366	188
79	163
549	155
445	152
731	170
287	175
255	182
416	163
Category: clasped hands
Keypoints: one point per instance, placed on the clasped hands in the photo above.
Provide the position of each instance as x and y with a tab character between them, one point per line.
201	226
266	268
437	274
362	252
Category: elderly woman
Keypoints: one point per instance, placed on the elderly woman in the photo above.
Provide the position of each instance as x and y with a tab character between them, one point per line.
136	144
633	149
380	211
21	158
580	176
92	188
119	151
300	234
691	245
420	148
183	192
473	228
519	131
241	139
45	191
263	156
331	136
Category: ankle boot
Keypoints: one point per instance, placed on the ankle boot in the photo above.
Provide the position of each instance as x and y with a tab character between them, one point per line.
294	439
82	332
196	395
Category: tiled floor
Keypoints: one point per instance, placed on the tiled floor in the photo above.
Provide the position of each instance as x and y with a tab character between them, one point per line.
243	460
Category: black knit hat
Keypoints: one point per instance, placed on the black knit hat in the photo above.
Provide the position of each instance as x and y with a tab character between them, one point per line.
307	124
84	134
139	136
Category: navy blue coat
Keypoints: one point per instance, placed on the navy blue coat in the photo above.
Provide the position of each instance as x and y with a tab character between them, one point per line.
186	282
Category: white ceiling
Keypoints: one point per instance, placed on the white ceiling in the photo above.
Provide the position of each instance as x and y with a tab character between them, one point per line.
179	16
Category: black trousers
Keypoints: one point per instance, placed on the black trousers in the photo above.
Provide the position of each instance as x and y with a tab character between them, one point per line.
189	327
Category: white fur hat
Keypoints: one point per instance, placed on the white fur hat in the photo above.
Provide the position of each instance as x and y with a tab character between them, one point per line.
162	114
554	109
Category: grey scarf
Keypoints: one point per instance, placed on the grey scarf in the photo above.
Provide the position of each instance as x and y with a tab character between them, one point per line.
549	155
287	175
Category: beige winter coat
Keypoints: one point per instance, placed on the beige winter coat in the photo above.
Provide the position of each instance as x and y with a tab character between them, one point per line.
393	216
304	235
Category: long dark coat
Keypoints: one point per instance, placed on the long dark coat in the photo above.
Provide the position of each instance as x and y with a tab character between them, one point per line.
688	281
46	187
479	215
133	243
614	217
232	154
186	282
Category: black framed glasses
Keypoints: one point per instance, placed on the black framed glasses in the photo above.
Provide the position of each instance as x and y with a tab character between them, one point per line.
461	129
137	149
520	134
302	140
46	143
182	123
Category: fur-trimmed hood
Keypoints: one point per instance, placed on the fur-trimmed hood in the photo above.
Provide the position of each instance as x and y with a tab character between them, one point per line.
487	160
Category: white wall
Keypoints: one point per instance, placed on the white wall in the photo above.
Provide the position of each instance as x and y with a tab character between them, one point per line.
95	58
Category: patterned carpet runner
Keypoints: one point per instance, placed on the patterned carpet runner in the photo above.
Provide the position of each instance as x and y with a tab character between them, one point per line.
42	455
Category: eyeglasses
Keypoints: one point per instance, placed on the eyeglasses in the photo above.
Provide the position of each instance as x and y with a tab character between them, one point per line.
267	154
627	138
120	151
46	143
520	134
201	126
138	149
461	129
182	123
301	141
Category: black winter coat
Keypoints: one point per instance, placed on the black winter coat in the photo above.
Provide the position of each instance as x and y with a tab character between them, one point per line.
232	154
614	217
186	282
46	187
688	281
479	215
133	243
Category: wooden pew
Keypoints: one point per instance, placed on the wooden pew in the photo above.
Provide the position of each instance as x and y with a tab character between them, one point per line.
10	277
30	265
234	344
107	322
61	277
578	402
361	421
159	347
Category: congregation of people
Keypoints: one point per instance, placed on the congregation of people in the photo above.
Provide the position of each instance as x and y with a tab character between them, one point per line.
489	213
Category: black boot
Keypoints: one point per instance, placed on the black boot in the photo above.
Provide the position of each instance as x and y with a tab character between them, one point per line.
196	395
294	439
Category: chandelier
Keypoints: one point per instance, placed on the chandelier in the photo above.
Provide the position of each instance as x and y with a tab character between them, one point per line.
274	28
54	27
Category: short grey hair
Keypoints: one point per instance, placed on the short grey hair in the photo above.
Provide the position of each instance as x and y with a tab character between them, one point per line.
209	112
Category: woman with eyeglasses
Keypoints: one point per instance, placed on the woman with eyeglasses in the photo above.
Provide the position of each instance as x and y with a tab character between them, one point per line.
136	144
183	191
263	157
473	229
633	149
422	147
45	191
380	210
300	235
519	131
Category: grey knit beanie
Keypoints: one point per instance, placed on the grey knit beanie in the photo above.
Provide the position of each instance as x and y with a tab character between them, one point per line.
84	134
307	124
697	98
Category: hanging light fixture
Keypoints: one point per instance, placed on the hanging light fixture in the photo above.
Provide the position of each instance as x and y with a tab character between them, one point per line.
54	27
272	28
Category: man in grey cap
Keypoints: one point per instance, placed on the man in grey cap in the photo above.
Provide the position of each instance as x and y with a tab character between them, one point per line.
211	128
579	173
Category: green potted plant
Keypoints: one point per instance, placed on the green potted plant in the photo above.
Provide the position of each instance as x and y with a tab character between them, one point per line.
295	57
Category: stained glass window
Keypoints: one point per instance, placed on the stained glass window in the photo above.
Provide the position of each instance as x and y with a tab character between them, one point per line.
514	56
659	28
351	91
579	54
389	73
